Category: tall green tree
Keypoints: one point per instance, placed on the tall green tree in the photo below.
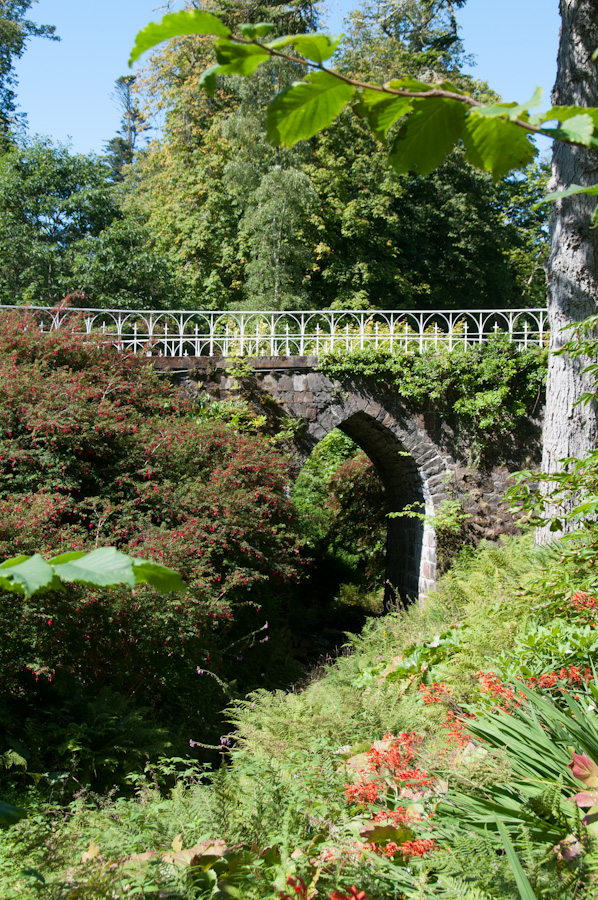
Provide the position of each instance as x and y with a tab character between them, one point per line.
120	150
50	200
363	236
15	31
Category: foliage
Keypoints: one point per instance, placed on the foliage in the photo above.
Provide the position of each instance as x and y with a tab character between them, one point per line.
50	200
432	117
96	450
354	234
104	567
484	390
342	502
15	31
121	149
315	793
119	268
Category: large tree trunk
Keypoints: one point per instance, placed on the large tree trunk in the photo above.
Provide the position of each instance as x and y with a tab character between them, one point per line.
572	267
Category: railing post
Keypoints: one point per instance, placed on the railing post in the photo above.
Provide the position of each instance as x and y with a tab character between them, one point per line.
361	330
166	339
465	335
287	348
302	336
134	337
318	339
525	330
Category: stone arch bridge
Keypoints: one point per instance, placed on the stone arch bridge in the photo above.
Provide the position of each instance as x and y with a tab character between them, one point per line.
415	452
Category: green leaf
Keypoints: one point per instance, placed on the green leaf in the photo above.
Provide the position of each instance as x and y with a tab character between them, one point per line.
407	83
238	59
524	887
511	111
496	145
578	129
564	113
567	192
315	47
175	25
10	815
306	107
26	575
159	576
429	134
104	567
261	29
381	111
208	79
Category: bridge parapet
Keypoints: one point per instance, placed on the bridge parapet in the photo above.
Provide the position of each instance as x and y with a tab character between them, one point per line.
199	333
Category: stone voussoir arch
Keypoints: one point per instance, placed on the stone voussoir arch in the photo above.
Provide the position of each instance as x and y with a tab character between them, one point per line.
419	458
412	468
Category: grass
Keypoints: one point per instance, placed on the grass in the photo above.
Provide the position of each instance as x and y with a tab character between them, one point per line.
279	796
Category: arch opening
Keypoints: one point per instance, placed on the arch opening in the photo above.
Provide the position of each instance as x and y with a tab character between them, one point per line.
405	535
410	544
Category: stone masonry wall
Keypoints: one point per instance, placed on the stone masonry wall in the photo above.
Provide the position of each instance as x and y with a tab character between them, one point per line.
416	452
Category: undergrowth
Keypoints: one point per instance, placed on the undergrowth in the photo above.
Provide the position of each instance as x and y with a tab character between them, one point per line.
365	775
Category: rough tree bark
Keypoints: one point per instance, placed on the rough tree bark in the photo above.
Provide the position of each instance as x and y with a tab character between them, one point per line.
572	267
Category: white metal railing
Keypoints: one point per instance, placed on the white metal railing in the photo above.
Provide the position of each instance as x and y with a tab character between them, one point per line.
303	333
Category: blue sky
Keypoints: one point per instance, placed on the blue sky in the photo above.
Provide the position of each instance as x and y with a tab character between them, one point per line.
65	87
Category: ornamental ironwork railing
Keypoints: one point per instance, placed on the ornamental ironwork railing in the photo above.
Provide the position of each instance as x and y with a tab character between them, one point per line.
303	333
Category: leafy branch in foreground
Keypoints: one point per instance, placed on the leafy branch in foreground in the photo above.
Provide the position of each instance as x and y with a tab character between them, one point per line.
431	118
104	567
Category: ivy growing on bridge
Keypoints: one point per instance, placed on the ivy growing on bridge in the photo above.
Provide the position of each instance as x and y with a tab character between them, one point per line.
484	390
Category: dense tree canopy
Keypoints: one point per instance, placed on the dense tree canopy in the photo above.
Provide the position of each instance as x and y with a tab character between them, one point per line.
213	216
354	234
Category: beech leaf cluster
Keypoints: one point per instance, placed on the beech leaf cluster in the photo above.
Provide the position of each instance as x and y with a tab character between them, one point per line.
432	117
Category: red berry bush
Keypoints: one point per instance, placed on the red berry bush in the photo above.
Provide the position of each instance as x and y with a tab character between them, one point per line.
96	449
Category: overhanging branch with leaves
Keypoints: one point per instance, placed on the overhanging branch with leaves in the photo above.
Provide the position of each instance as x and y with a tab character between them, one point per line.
430	118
